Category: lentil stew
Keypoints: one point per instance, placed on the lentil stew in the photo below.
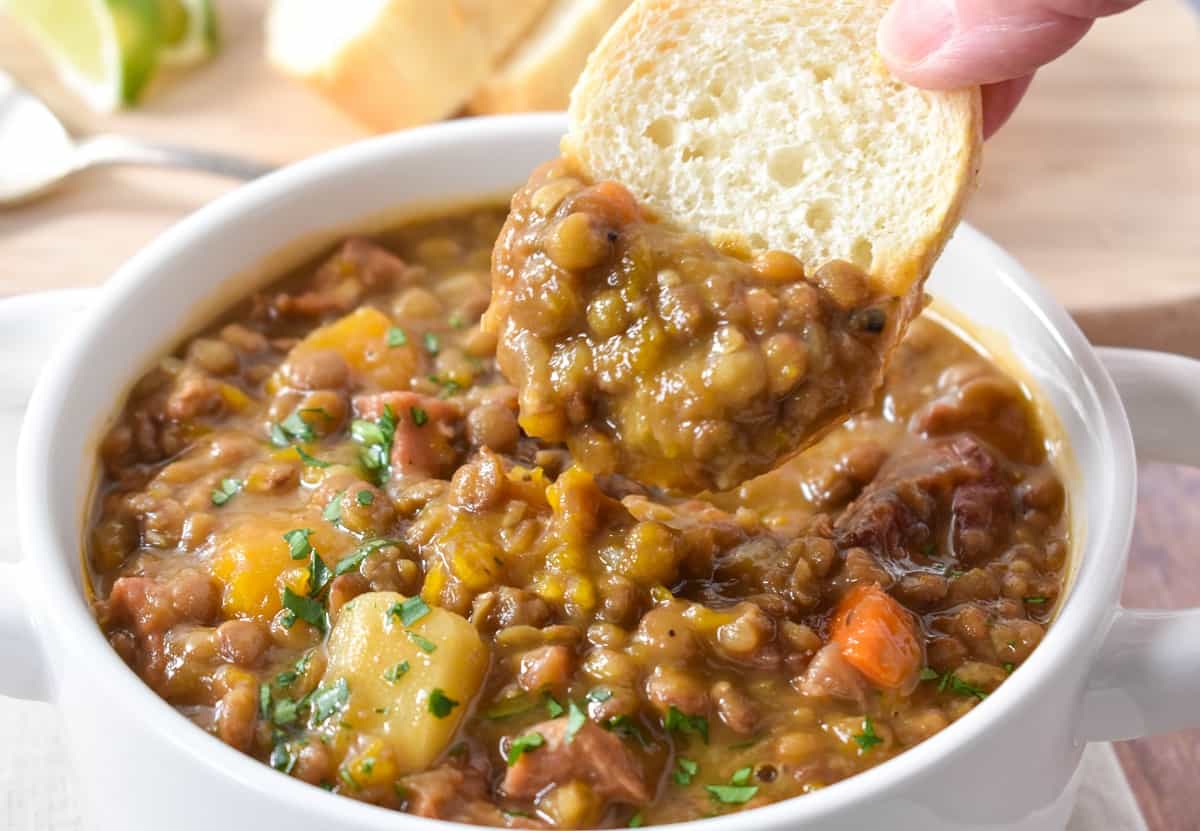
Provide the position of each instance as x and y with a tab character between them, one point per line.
324	537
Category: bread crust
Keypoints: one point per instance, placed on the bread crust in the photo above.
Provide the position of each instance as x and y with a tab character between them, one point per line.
645	36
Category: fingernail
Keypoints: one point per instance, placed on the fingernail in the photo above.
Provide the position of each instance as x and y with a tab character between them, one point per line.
912	30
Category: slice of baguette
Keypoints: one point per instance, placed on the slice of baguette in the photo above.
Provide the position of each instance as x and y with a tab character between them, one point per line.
775	122
395	63
539	73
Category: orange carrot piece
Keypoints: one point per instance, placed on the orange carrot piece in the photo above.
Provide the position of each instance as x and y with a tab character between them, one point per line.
878	637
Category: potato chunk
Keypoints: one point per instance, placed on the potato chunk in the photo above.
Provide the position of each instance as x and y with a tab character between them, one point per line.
412	696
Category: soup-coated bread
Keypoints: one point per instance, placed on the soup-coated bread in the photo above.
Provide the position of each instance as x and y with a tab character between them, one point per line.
777	122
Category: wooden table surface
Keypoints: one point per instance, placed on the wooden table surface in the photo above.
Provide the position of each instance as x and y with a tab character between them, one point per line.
1094	185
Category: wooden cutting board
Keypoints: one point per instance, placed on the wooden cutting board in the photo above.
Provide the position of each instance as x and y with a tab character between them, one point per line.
1095	185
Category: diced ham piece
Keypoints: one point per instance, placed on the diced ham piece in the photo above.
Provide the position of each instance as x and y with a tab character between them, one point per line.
355	267
830	675
594	756
458	795
419	451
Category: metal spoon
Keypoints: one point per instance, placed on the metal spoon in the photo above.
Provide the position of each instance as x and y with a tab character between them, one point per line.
37	152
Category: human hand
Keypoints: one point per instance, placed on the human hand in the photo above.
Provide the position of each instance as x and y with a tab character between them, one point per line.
943	44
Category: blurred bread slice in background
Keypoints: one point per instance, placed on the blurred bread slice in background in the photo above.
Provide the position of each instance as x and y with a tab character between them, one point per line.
539	73
393	64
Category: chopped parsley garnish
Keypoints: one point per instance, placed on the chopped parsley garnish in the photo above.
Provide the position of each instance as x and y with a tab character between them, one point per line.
298	544
449	386
352	560
522	745
285	712
952	682
1008	667
409	611
636	821
345	775
329	699
396	337
282	759
297	607
440	704
287	677
432	344
278	437
599	694
264	701
318	574
456	320
513	706
394	673
419	416
868	737
677	722
296	427
576	718
741	776
552	706
374	439
311	461
225	491
685	769
424	644
929	674
626	726
1036	600
333	511
732	794
364	498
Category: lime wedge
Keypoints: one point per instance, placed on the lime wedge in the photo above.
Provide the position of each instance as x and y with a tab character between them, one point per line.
109	50
189	31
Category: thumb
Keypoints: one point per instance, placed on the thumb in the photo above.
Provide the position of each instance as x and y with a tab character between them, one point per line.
953	43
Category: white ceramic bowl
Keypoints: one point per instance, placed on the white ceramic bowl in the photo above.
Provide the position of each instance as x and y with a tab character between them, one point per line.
1102	672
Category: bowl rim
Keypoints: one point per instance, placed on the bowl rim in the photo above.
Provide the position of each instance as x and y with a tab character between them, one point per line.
1087	609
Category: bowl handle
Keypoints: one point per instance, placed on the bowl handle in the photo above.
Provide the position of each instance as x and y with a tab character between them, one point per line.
1147	678
27	323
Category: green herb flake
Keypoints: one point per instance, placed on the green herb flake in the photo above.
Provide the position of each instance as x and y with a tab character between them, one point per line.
298	543
419	416
264	701
440	704
512	706
552	706
297	607
685	769
424	644
364	498
282	759
456	320
311	461
345	776
225	491
929	674
1036	600
396	337
394	673
318	574
285	712
329	699
522	745
352	560
732	794
576	718
636	821
677	722
952	682
599	694
409	611
333	511
1009	667
432	344
741	776
278	437
296	427
868	737
374	439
